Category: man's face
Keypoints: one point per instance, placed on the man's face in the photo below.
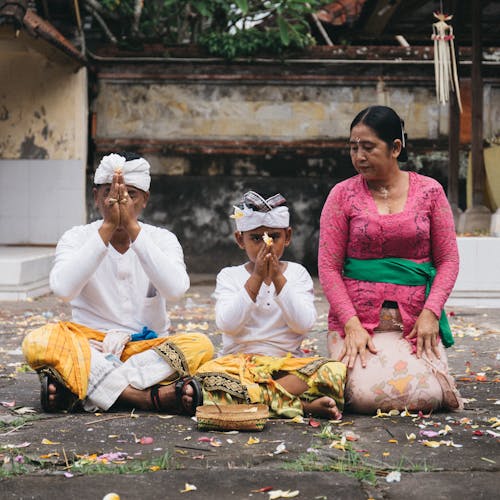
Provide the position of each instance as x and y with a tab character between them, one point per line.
138	197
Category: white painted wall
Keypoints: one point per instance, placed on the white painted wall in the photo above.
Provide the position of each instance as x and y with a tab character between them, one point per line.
43	143
40	199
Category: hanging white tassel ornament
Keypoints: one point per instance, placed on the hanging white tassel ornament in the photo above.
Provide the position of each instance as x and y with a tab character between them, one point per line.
445	64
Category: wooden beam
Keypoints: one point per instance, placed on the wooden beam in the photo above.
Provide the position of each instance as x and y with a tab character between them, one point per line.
380	16
454	122
477	157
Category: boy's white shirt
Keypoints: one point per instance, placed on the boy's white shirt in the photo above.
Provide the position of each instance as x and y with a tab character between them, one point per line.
274	325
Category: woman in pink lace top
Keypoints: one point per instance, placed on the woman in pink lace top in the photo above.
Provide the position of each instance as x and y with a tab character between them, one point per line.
387	332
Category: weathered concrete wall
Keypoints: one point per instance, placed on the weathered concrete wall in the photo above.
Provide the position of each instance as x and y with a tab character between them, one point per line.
162	111
43	108
43	143
212	133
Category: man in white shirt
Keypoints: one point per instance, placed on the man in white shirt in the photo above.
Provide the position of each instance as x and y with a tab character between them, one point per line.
118	273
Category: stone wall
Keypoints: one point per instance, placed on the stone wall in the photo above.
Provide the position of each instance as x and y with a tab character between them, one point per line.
211	132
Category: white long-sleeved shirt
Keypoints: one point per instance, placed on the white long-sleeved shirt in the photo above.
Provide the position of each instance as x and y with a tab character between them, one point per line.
109	290
274	325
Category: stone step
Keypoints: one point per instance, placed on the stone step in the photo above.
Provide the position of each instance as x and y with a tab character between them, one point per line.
24	271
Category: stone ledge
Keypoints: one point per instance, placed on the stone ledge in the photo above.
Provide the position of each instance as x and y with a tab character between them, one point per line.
478	282
24	271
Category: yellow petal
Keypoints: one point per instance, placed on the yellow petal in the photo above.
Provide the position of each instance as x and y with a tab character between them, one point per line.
47	441
111	496
252	440
431	444
238	213
274	494
267	239
188	487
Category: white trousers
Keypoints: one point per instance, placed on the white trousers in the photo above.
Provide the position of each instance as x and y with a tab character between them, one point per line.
109	377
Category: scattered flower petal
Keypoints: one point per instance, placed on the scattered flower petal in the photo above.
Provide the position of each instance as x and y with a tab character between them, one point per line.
281	448
262	490
215	442
390	413
111	496
314	423
273	494
350	436
15	446
393	477
48	441
188	487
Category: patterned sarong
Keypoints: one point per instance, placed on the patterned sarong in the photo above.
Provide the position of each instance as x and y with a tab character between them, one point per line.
62	349
247	378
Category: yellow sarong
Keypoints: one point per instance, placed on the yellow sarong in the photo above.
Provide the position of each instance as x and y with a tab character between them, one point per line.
64	348
248	378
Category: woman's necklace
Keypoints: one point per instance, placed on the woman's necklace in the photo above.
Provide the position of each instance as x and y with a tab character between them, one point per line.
383	192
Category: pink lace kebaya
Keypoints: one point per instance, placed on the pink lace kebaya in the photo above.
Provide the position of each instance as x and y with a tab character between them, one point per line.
351	226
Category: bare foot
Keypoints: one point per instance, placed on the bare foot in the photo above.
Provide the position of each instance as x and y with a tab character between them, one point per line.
323	407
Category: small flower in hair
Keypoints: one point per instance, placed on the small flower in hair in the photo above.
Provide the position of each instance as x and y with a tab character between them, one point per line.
238	213
267	239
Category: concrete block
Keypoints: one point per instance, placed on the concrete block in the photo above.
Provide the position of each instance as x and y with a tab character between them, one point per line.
475	220
478	281
24	271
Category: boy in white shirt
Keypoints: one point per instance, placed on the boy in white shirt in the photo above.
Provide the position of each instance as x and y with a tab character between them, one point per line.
265	308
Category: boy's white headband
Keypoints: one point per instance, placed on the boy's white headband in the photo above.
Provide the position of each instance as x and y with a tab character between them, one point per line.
255	211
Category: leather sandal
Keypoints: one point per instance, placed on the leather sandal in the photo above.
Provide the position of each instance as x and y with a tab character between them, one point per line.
179	392
65	400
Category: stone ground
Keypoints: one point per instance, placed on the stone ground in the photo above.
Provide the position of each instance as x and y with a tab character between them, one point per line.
443	455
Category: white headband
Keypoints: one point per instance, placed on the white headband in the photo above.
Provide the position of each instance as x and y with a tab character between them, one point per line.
247	219
135	172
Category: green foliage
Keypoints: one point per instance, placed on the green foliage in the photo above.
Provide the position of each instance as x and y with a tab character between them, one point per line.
226	28
247	43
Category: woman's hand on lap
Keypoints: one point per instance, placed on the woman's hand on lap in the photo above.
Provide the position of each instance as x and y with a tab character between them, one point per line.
426	329
356	342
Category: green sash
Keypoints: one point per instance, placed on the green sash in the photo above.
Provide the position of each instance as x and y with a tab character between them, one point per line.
399	272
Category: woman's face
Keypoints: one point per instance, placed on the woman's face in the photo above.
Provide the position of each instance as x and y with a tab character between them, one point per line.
370	155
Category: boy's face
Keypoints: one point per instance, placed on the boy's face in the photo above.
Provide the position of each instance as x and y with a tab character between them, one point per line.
251	241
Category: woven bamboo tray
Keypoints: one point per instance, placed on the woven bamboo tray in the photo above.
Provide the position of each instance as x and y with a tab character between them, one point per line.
241	417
